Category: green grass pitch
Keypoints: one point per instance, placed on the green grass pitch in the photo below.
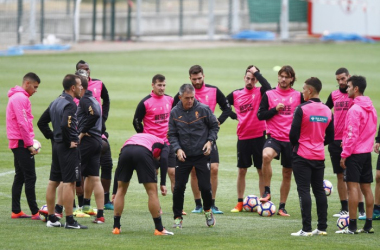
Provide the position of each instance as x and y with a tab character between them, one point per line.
127	76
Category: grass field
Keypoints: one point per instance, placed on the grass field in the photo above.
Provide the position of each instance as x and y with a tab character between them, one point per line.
127	76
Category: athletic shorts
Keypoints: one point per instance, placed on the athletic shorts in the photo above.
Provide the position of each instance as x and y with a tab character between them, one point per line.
335	150
250	150
139	158
359	168
90	148
172	158
214	155
65	163
106	163
283	149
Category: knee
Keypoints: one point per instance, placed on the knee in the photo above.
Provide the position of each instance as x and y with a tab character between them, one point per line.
179	189
287	173
214	169
242	172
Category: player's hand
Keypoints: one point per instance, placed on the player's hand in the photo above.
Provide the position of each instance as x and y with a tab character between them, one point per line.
376	148
181	156
73	144
113	198
164	191
32	150
218	122
253	70
343	163
280	106
207	148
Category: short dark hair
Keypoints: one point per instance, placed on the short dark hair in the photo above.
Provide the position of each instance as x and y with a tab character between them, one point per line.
195	69
69	80
158	77
341	71
315	83
358	81
289	71
32	76
249	67
84	81
186	87
80	62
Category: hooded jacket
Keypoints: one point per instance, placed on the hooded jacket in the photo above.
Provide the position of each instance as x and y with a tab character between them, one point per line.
19	118
360	127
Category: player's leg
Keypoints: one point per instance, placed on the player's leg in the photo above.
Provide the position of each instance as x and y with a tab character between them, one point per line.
269	153
318	172
181	179
118	203
286	162
376	208
106	165
171	174
214	159
197	194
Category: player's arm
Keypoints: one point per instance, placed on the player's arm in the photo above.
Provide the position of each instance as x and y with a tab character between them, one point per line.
92	115
22	112
164	165
265	85
302	99
139	116
264	112
68	127
213	126
173	132
351	132
230	99
106	102
224	106
377	140
329	103
295	129
43	124
329	135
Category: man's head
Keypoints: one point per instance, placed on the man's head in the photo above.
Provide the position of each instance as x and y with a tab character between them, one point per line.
83	78
286	77
311	88
356	86
342	75
72	85
159	84
196	76
30	83
83	65
187	95
249	79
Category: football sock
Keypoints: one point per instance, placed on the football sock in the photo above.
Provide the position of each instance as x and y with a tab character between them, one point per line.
106	198
70	219
352	226
86	202
240	199
74	205
158	223
368	224
361	207
198	202
282	205
58	208
344	205
52	218
376	207
267	189
99	213
116	221
80	200
213	202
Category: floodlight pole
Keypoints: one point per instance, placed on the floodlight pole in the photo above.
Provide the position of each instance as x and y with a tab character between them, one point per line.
284	20
32	22
211	19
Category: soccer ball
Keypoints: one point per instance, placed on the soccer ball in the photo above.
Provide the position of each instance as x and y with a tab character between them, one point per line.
266	209
327	185
250	203
343	221
36	145
43	213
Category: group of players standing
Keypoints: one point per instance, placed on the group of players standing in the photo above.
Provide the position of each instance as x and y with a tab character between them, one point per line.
271	123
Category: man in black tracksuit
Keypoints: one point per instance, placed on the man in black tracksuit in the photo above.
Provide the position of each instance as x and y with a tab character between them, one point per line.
193	129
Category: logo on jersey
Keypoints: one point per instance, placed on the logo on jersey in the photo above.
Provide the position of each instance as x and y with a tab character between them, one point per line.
197	114
316	118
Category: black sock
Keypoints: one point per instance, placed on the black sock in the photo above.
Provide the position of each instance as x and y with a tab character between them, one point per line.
267	189
86	202
99	213
80	200
70	219
58	208
240	199
352	226
158	223
213	202
376	207
198	202
74	205
116	221
106	198
344	204
361	207
52	218
282	205
368	224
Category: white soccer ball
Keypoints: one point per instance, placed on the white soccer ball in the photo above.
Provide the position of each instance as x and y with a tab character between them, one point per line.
266	209
36	145
327	185
250	203
343	221
43	213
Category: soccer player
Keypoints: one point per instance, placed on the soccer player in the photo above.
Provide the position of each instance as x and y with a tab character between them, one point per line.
89	115
250	131
339	100
357	142
140	153
277	107
65	165
376	207
209	95
193	130
311	129
100	93
20	133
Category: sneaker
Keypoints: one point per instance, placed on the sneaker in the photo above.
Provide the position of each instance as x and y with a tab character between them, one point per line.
75	225
184	213
53	224
100	220
282	212
36	216
88	210
342	212
116	230
20	215
319	232
163	232
238	208
347	231
177	222
376	215
215	210
369	231
79	213
197	210
266	197
302	233
210	220
362	216
108	206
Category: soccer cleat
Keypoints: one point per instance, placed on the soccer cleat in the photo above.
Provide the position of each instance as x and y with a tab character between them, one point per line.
215	210
302	233
75	225
362	216
53	224
369	231
36	216
266	197
20	215
319	232
177	222
342	212
100	220
79	213
376	215
347	231
184	213
197	210
163	232
210	220
238	208
108	206
88	210
116	230
282	212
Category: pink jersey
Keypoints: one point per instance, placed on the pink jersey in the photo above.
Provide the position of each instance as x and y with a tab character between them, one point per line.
360	127
19	118
341	105
207	95
246	103
279	125
316	118
146	140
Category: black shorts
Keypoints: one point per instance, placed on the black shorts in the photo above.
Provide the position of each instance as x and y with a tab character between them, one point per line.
65	163
359	168
139	158
90	148
106	163
250	150
172	158
378	163
283	149
335	150
214	155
